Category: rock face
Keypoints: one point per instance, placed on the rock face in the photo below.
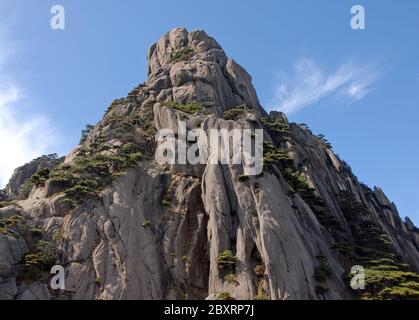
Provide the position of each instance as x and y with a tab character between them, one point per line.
125	227
12	251
23	173
208	77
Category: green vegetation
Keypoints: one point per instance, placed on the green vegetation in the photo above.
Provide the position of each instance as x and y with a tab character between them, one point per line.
261	296
37	232
186	263
165	201
343	248
321	136
386	276
279	130
44	257
299	183
226	257
99	162
273	152
276	126
70	203
139	124
93	170
390	284
235	113
115	103
184	54
327	144
371	243
345	165
124	126
146	223
85	133
42	254
5	203
40	177
305	127
224	296
189	107
274	155
179	291
58	236
15	224
63	175
231	279
166	198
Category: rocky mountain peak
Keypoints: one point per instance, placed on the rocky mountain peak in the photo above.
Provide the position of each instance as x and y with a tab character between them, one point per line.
191	66
16	185
127	227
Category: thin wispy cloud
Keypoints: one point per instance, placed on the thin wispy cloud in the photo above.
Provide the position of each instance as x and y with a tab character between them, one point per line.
24	135
310	83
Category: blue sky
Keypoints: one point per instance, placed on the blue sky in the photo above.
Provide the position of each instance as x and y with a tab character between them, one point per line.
359	88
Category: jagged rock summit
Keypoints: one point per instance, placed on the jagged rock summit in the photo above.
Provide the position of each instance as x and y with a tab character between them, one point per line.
192	66
125	227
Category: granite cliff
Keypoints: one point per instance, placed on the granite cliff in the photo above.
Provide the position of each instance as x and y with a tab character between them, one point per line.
125	227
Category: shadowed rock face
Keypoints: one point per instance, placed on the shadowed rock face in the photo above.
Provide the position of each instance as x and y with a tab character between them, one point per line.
193	232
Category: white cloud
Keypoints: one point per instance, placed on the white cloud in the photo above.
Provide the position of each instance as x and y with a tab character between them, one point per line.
24	135
310	83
